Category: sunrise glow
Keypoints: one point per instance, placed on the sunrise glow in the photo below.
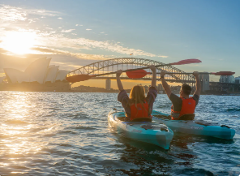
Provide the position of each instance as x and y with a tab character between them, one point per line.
18	42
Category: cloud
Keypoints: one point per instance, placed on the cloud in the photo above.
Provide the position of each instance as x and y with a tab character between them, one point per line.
67	31
13	14
60	41
75	55
88	29
162	56
43	12
8	13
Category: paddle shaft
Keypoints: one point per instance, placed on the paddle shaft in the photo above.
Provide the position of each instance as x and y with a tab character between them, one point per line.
210	73
142	73
172	73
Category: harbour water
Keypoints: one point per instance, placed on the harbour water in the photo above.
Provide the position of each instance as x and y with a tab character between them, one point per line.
52	133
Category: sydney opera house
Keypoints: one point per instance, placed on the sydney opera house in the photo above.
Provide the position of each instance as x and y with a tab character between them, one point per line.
38	76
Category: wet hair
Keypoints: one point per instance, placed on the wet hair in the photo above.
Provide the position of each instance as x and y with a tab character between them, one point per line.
186	89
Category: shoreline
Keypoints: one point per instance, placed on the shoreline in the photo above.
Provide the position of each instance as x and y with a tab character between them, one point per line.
104	91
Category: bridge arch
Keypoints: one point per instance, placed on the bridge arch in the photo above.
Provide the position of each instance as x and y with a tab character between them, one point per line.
115	64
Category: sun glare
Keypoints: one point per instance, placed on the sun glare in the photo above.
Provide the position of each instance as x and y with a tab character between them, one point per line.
18	42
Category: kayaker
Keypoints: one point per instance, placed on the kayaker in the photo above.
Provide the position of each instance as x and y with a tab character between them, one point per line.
137	106
183	107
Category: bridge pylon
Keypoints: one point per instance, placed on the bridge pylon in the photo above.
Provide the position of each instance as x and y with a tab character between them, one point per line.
108	84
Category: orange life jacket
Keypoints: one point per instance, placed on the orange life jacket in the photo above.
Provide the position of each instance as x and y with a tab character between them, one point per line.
139	112
188	107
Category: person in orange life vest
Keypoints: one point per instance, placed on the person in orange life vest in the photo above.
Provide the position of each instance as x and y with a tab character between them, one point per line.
183	105
137	106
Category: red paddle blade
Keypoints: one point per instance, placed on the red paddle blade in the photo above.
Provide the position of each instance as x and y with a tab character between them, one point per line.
226	73
77	78
136	74
186	61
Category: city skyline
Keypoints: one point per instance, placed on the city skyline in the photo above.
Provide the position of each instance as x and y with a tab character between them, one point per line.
77	33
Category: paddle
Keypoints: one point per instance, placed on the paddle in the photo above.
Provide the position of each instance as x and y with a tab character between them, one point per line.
142	73
83	77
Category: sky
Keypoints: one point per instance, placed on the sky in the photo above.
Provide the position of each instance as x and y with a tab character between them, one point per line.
75	33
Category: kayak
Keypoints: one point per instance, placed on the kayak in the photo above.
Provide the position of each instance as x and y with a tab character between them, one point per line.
195	127
148	132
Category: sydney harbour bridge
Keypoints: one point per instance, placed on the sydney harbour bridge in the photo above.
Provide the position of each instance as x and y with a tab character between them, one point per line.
112	65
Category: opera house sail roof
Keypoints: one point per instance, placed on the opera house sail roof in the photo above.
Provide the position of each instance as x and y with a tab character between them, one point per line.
38	71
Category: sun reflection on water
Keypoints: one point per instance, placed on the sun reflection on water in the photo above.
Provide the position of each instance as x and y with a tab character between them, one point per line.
16	126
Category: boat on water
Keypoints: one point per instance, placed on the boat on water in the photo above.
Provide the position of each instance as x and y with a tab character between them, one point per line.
195	127
149	132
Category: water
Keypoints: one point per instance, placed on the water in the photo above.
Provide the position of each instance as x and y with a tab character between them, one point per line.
68	134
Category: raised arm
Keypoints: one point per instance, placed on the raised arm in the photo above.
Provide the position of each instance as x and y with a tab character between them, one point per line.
165	84
198	84
119	83
153	68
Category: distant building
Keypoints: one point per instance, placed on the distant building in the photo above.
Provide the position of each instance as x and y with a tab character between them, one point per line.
108	84
227	79
83	88
204	80
175	89
237	80
146	88
160	87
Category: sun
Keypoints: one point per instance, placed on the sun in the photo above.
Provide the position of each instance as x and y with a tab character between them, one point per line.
18	42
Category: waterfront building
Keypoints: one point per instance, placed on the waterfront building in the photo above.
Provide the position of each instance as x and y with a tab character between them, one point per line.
204	80
38	76
108	84
237	80
160	87
146	88
227	79
38	71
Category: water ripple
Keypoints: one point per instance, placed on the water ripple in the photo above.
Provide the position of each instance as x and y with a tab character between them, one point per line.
44	133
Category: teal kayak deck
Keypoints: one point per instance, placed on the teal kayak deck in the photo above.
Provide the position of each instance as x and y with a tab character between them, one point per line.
195	127
149	132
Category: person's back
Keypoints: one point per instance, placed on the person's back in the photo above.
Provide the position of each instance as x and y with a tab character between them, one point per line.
137	107
184	106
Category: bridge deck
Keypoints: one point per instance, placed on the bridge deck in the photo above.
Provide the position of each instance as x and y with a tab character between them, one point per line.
168	80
